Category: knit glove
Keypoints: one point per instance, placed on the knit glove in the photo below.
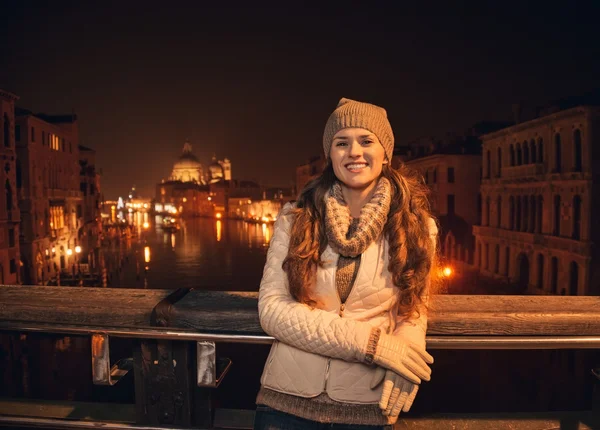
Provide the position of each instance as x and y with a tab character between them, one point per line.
404	358
398	393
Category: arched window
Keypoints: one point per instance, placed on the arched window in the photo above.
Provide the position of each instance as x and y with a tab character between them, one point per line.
6	131
540	148
556	213
554	275
525	224
9	197
533	151
540	271
519	155
499	172
507	261
487	211
533	214
497	259
525	153
576	234
488	162
499	212
511	213
557	153
518	214
577	165
573	278
540	212
512	155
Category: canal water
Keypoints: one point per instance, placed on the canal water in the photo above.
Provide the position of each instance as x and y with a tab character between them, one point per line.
205	253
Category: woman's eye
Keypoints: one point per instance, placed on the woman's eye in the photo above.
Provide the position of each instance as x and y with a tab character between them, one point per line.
340	143
367	142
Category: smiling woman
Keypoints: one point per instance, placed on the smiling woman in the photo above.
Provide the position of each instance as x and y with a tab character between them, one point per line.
345	286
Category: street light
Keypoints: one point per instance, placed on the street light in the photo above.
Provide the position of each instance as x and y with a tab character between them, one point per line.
77	252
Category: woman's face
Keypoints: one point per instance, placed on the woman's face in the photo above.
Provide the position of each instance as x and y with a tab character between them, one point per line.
357	157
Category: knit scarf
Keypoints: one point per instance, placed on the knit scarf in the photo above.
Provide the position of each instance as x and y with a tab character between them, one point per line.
373	217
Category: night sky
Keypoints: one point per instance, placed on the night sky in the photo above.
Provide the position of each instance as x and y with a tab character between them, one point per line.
256	83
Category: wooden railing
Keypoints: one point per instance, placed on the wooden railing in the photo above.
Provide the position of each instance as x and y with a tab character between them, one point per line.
176	367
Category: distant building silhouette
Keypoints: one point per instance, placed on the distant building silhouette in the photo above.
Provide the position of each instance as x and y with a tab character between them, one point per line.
9	210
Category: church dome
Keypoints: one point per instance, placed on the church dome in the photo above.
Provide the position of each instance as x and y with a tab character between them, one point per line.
187	168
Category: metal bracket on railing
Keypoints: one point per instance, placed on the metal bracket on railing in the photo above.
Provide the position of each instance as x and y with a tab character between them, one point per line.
102	372
210	370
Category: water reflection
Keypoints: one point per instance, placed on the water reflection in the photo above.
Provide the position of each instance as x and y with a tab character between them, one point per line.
205	253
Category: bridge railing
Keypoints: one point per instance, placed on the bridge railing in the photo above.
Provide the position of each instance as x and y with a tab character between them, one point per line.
176	366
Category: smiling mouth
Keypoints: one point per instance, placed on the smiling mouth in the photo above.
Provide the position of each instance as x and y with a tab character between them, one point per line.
356	167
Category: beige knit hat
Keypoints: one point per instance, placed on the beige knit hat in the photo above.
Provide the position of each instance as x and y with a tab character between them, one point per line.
350	113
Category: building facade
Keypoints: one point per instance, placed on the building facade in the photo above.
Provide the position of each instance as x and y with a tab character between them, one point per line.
309	171
539	179
9	210
48	183
89	234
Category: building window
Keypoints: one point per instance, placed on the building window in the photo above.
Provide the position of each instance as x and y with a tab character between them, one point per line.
540	212
499	171
533	151
554	275
512	155
79	211
83	188
450	204
451	175
533	214
507	265
11	238
43	138
540	267
525	153
573	278
540	148
576	218
497	259
518	214
499	212
13	266
17	133
33	134
557	153
525	224
511	213
6	132
19	173
577	151
556	227
519	155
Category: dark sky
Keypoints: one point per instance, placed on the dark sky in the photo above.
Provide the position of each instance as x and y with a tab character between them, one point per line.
256	83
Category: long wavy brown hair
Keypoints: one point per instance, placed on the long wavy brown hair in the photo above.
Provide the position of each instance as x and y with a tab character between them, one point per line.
411	251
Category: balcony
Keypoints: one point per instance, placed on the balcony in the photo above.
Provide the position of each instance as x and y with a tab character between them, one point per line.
178	331
544	240
525	172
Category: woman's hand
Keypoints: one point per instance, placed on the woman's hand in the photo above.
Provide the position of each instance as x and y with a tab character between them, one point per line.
404	358
398	393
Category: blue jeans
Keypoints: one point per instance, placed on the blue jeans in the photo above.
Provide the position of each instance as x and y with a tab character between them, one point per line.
267	418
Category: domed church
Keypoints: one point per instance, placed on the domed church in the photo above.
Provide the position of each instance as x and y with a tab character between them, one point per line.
187	168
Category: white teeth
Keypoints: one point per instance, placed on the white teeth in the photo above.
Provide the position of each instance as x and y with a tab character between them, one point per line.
355	166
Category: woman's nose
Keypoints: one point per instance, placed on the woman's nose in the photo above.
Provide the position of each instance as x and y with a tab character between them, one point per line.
355	149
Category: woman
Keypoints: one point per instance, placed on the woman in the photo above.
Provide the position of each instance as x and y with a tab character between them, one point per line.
345	285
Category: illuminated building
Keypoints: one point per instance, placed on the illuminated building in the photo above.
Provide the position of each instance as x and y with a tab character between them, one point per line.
538	207
187	168
9	209
50	197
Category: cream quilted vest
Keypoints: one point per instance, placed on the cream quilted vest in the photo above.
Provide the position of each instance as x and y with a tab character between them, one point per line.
322	350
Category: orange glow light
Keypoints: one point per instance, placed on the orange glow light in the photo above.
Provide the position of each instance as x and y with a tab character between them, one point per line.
447	271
